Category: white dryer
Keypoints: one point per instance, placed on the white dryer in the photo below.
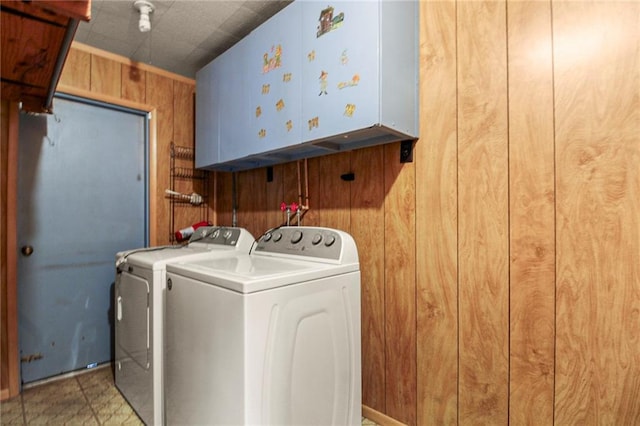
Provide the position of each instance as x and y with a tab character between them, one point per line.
139	311
269	338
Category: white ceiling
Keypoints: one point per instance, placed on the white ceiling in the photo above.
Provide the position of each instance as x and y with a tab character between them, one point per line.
185	34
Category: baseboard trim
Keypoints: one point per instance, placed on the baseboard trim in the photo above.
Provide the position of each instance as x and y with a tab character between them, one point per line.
379	418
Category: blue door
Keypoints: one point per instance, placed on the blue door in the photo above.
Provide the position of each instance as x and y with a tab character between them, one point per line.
82	197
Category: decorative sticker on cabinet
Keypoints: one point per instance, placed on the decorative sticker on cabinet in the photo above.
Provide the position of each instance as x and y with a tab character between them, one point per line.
286	77
314	122
344	58
265	89
258	112
280	105
353	82
262	133
289	125
311	56
349	109
270	63
323	83
328	22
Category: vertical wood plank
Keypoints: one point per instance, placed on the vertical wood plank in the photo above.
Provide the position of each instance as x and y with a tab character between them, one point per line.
183	114
436	218
332	207
4	166
10	359
312	217
106	76
483	213
77	70
532	227
400	286
224	201
597	125
367	225
251	201
134	84
160	94
183	131
245	205
259	185
274	197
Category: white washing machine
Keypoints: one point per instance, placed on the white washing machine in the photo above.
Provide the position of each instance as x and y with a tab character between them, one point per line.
269	338
139	310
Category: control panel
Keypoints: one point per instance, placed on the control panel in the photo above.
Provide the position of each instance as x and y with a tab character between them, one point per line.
215	235
302	241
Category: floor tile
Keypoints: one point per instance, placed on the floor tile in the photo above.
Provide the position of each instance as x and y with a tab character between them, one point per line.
11	412
89	398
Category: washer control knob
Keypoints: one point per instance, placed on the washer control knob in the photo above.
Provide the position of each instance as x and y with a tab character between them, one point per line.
330	240
316	239
215	234
266	237
227	234
296	237
277	237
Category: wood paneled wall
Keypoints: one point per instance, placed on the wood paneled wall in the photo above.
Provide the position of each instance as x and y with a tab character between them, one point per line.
4	331
97	74
500	272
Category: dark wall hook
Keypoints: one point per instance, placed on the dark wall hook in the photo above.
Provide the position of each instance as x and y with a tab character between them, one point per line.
348	177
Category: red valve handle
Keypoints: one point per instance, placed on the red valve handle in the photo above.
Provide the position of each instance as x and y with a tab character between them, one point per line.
293	207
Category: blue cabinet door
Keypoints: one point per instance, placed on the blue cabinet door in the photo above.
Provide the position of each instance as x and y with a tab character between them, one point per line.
208	115
274	80
340	87
230	85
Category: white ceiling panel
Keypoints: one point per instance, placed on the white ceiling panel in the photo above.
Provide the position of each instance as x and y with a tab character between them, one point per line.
185	34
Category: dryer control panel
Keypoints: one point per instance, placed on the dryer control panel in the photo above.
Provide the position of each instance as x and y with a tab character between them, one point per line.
216	235
322	243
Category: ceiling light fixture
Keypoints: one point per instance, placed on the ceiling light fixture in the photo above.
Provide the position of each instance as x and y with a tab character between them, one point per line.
145	8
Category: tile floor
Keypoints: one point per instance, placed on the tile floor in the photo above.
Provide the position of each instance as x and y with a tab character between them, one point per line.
89	398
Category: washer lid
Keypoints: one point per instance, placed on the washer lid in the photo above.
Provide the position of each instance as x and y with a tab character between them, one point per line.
250	273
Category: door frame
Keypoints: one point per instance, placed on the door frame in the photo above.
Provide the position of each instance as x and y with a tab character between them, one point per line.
12	198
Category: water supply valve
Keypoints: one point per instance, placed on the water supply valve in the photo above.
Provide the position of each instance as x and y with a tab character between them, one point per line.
288	209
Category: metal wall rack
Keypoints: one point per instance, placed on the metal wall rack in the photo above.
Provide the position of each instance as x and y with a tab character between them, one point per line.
184	178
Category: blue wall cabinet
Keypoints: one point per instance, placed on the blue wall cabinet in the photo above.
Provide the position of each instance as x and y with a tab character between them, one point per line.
317	78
